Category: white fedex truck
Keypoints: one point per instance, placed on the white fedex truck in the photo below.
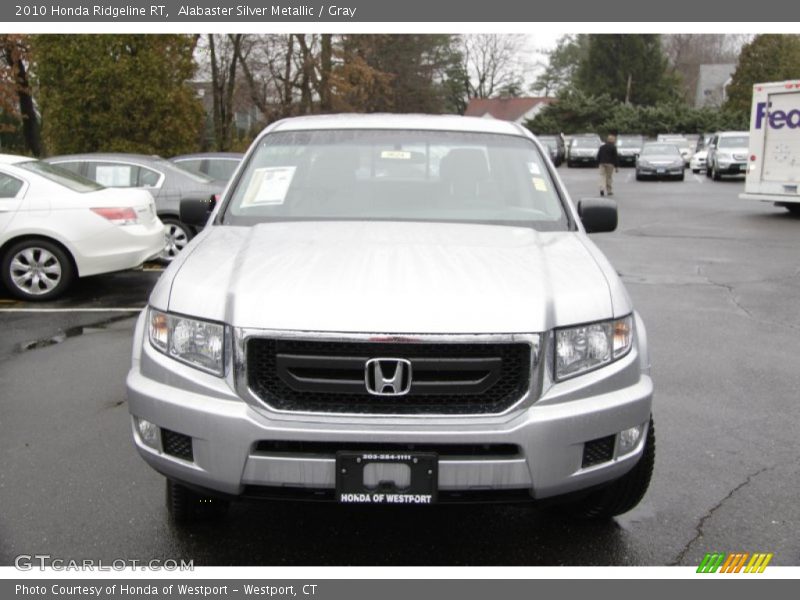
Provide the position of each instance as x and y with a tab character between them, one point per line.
773	174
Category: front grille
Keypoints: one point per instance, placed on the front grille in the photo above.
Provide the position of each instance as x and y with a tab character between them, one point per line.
598	451
177	444
290	447
329	376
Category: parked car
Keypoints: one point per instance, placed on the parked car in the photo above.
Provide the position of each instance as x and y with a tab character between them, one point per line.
727	154
698	162
628	148
583	150
56	226
219	166
683	144
659	161
167	183
398	309
555	144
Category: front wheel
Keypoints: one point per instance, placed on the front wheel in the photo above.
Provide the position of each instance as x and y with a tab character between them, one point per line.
178	234
37	270
623	494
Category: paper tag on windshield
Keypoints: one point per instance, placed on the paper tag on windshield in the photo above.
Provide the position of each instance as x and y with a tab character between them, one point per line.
396	155
539	184
269	185
533	168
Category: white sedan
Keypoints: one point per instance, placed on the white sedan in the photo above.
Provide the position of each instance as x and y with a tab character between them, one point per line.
56	226
698	162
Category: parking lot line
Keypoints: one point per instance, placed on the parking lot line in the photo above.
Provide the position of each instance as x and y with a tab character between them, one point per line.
68	310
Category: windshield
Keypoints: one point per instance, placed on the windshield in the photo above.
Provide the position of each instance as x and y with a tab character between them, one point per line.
585	143
396	175
660	149
550	142
62	176
740	141
629	142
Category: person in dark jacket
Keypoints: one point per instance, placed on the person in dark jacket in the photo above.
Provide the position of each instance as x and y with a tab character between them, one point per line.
608	160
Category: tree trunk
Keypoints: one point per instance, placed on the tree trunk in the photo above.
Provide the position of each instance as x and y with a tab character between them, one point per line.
30	121
326	65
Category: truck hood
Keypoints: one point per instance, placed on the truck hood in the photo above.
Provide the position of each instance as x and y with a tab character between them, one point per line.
392	278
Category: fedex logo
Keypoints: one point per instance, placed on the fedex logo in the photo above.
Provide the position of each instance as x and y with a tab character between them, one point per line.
777	119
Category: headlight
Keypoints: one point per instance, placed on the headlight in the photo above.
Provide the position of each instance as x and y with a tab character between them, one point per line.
588	347
644	163
200	344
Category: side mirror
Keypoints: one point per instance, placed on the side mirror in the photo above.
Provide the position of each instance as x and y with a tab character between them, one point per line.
195	211
598	215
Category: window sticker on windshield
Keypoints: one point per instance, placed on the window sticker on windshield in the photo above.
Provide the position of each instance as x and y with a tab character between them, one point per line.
396	155
533	168
269	185
539	184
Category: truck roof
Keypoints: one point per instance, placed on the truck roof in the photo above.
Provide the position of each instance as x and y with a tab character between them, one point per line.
399	121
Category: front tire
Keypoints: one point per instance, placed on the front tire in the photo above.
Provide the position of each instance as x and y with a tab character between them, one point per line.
37	270
178	234
623	494
187	506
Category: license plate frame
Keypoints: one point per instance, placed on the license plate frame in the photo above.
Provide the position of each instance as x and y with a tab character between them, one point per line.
423	482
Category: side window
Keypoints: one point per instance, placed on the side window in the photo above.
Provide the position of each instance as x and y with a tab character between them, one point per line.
113	174
148	177
9	186
74	167
193	165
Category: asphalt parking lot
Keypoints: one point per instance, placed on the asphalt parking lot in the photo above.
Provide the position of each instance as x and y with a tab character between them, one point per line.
716	280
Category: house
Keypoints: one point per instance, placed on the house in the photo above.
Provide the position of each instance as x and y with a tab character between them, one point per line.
517	110
712	82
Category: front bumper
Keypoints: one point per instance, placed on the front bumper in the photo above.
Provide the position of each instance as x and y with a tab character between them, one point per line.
225	431
735	168
658	171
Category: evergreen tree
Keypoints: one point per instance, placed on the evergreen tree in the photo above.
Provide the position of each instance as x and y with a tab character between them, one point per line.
630	68
118	93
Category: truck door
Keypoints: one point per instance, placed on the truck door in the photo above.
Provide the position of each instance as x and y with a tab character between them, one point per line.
781	162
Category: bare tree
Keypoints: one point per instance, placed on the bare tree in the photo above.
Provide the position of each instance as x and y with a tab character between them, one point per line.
493	64
223	53
687	51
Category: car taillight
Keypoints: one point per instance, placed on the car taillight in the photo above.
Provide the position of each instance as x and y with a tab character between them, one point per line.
118	216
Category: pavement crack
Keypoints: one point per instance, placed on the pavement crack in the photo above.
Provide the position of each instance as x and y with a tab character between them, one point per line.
710	512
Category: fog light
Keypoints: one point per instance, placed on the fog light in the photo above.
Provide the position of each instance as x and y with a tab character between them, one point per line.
629	438
148	432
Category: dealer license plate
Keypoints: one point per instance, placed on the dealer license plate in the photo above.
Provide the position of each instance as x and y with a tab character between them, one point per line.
386	477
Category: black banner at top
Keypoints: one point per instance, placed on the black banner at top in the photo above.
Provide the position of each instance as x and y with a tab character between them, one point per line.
438	11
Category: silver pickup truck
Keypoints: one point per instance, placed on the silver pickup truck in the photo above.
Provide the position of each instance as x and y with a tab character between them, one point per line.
394	309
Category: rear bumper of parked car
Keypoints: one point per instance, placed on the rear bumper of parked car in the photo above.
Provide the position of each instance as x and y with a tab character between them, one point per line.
240	449
118	248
